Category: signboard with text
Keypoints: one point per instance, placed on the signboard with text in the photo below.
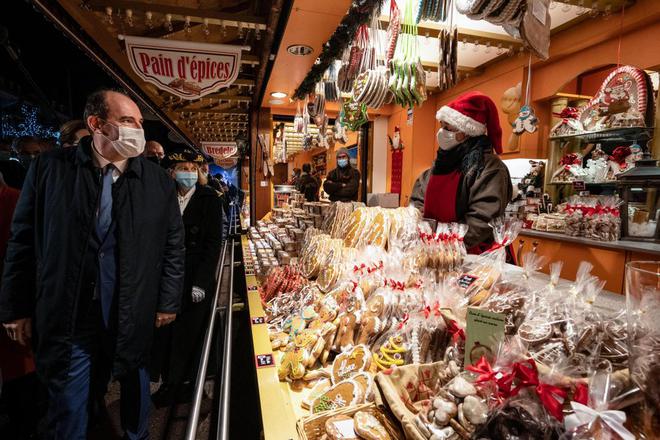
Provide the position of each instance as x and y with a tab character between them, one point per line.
186	69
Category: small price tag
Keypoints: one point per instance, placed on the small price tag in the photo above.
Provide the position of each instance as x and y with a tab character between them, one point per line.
579	185
466	280
258	320
252	288
265	360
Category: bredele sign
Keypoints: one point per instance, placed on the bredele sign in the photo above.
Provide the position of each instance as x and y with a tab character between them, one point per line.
220	150
186	69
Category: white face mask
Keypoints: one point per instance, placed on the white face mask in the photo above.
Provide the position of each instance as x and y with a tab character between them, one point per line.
447	139
129	143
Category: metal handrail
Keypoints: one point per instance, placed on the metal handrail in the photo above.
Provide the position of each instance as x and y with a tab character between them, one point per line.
193	420
222	430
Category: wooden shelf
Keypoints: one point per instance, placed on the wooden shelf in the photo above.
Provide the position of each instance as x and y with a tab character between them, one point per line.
627	134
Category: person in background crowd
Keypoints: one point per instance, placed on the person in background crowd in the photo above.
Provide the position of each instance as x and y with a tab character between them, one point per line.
12	169
19	382
71	132
294	177
47	144
179	346
212	180
27	148
308	185
343	183
92	286
468	183
154	152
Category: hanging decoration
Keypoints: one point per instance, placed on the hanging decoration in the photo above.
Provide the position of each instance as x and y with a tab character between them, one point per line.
408	79
448	59
27	124
359	13
526	120
433	10
371	84
397	171
186	69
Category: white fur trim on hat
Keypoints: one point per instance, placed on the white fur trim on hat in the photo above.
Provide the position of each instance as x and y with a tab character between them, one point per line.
464	123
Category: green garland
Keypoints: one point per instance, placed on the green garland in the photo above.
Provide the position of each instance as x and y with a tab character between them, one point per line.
359	13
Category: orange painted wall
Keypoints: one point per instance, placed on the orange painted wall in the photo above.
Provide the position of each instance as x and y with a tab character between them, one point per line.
584	47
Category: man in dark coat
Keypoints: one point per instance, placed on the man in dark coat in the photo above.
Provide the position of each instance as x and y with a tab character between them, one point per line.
94	262
308	185
342	183
178	347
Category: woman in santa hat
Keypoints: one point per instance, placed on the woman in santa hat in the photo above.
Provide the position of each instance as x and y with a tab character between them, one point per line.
468	182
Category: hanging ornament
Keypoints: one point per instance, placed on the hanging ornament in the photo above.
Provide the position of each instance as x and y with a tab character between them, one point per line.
148	22
129	17
205	27
186	25
167	24
526	120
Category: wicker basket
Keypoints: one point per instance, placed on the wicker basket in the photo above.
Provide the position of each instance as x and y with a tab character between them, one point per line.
313	427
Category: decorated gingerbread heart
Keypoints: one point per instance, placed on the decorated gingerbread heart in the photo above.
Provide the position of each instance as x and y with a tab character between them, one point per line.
350	363
345	393
368	427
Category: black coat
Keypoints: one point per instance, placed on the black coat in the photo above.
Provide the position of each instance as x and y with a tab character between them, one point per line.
178	346
51	229
343	184
202	220
309	186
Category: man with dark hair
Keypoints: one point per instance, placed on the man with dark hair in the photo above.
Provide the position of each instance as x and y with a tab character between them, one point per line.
308	185
96	260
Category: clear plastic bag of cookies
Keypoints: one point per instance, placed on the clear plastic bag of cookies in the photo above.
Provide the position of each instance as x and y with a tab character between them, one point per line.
376	231
481	275
356	225
315	255
377	315
331	268
404	224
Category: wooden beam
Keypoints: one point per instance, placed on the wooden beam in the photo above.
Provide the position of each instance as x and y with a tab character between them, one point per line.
466	35
600	5
433	67
179	13
229	111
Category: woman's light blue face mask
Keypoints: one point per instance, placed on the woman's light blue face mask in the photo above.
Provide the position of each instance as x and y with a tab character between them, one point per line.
186	179
343	162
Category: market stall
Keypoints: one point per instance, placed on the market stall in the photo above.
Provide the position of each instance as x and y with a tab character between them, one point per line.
377	300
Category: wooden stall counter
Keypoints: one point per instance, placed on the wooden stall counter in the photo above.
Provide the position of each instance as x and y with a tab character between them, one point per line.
608	258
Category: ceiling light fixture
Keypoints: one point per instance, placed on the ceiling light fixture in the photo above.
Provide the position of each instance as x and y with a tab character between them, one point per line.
278	95
299	50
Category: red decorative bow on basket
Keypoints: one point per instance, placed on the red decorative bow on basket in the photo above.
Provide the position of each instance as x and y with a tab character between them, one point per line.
552	397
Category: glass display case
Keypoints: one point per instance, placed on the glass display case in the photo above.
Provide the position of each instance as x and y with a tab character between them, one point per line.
639	187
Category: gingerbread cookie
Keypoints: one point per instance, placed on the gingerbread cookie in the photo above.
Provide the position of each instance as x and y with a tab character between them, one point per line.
340	428
369	427
350	363
366	381
321	386
343	394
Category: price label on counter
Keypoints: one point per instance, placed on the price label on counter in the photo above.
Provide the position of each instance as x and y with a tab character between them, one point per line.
252	288
579	185
258	320
265	360
466	280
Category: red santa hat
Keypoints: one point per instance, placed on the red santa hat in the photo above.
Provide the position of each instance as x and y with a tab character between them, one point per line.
474	114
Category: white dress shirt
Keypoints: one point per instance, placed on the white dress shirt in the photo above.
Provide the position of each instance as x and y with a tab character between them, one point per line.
102	162
185	199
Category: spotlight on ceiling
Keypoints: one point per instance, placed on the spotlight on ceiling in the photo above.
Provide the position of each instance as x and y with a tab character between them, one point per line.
299	49
278	95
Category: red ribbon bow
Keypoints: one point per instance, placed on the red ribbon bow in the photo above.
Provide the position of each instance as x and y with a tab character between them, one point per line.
403	322
619	154
486	374
581	394
454	330
528	375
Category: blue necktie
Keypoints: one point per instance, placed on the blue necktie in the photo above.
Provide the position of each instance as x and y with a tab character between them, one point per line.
105	208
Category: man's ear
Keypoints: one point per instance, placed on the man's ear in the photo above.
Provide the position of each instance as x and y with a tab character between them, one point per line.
93	123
